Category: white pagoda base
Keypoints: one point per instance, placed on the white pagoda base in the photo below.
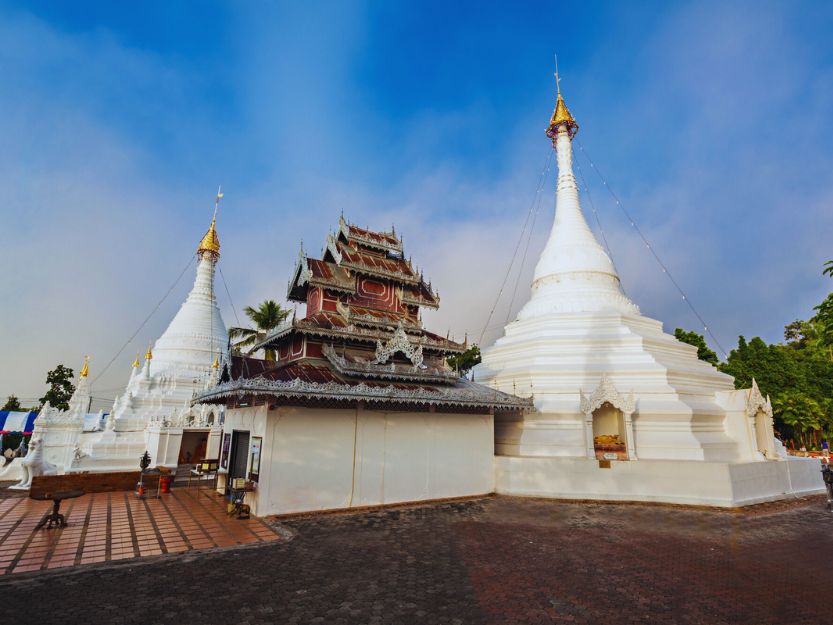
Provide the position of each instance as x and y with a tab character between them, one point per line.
723	484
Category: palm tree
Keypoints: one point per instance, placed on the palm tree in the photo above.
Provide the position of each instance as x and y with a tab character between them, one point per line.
266	317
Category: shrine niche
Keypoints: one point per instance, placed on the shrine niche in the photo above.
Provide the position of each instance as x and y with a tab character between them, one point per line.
608	425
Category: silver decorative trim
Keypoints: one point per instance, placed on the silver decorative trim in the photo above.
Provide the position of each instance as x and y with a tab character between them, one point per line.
605	392
464	394
755	402
390	371
398	343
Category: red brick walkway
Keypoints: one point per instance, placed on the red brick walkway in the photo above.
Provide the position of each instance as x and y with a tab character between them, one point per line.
115	526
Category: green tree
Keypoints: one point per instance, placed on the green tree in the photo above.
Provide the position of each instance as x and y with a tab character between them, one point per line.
775	367
824	312
12	403
61	387
464	362
266	317
704	352
798	411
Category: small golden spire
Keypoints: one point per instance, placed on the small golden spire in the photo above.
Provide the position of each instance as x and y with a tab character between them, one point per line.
561	115
211	242
85	370
216	364
136	361
149	353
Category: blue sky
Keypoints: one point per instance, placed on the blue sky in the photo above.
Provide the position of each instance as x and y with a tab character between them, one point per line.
710	120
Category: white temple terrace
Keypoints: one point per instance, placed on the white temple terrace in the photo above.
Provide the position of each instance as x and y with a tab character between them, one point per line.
624	411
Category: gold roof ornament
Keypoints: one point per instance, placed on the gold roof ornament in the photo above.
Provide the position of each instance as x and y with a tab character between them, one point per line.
149	353
216	364
561	116
136	361
85	370
210	243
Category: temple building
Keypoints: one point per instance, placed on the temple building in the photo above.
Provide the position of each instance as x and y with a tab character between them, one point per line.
359	406
154	412
622	410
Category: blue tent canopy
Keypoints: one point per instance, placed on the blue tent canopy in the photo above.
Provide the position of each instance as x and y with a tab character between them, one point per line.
17	422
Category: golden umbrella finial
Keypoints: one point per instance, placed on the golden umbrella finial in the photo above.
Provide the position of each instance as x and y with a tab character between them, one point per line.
216	364
210	243
561	115
136	361
85	370
149	353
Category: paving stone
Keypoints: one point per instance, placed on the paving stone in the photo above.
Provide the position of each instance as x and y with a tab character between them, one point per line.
493	561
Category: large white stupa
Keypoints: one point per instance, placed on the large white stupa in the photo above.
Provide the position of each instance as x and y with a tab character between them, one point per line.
623	410
154	413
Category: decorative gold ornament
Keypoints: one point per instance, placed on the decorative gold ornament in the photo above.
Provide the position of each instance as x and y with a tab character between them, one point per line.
148	353
136	361
216	364
85	370
561	116
210	242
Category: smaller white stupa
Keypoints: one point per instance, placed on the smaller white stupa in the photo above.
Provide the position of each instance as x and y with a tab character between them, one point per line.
623	410
154	412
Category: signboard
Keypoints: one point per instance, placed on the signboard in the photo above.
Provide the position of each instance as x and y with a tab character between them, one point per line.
224	452
254	466
610	455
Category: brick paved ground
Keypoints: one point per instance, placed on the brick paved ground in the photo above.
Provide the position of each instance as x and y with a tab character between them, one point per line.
115	526
496	561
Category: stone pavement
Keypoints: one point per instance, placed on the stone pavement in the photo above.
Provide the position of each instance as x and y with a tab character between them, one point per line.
497	560
114	526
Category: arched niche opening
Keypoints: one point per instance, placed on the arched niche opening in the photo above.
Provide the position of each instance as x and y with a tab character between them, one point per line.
609	436
608	423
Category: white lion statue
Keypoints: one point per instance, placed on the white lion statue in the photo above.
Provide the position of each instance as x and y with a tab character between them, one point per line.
34	464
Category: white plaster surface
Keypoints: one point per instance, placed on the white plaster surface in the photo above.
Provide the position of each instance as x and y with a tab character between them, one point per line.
689	482
318	459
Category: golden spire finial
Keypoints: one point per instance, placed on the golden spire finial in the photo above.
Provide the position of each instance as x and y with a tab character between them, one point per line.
216	364
149	353
136	361
85	370
561	115
211	242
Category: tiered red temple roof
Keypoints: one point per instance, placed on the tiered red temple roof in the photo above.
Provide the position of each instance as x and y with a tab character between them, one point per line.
361	338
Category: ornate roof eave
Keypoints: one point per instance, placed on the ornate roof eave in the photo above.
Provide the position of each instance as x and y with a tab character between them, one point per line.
389	371
375	322
344	229
331	246
351	332
421	301
464	394
381	273
332	286
301	276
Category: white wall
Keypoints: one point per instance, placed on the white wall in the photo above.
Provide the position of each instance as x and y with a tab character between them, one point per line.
323	459
672	481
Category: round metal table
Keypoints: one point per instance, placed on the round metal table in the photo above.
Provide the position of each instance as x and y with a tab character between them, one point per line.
55	518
